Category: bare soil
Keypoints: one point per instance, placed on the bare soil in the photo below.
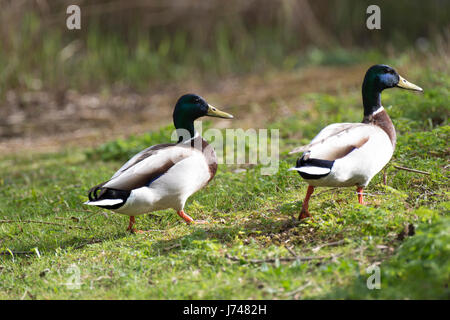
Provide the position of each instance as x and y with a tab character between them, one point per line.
45	121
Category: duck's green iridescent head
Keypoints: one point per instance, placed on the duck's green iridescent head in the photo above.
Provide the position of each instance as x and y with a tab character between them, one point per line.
378	78
191	107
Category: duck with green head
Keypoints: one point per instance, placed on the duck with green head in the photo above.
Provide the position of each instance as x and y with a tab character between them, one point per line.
163	176
350	154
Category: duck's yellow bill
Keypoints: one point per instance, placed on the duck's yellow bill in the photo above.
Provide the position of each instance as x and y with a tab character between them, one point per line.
405	84
214	112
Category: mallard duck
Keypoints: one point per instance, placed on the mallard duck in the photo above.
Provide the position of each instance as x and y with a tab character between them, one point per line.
165	175
350	154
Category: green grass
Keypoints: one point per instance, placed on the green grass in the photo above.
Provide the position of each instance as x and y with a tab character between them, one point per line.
250	216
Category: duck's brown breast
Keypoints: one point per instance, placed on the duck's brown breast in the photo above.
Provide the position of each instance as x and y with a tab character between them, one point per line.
382	120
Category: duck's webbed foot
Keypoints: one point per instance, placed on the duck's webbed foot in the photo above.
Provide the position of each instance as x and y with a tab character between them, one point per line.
304	214
200	222
188	219
133	230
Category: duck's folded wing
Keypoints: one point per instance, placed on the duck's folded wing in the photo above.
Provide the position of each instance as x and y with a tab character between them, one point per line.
140	156
337	140
147	166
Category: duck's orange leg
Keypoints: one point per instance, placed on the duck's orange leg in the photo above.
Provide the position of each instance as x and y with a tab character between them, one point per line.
305	213
131	224
359	190
188	219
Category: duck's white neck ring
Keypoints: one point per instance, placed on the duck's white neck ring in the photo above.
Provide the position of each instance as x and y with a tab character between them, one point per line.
196	135
377	111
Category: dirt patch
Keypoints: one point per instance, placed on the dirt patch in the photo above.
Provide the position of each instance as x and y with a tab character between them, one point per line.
48	121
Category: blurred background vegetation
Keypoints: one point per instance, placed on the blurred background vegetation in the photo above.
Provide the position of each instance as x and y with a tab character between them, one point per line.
135	43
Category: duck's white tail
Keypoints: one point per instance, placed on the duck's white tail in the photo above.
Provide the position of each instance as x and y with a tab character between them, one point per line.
312	170
104	202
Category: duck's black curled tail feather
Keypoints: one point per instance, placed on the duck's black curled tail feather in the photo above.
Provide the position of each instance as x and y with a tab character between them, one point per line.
92	193
98	193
